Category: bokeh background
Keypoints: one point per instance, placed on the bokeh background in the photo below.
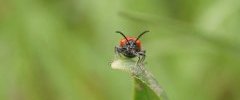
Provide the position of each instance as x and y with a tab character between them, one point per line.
61	49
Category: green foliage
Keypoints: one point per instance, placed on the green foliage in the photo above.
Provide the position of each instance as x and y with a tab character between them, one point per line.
60	49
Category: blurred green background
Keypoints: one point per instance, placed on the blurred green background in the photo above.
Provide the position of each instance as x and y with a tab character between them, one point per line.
61	49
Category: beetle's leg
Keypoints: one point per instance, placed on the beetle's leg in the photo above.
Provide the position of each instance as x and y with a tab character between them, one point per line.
141	56
142	53
118	50
139	59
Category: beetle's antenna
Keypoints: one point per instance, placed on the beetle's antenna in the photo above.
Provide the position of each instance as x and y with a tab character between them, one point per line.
123	36
139	36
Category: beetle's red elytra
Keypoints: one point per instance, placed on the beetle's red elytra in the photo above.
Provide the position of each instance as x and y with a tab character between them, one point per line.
130	47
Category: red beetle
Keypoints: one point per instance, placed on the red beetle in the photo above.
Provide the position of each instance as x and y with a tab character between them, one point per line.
130	47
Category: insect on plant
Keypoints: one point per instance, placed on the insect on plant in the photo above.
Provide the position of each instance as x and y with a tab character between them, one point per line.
130	47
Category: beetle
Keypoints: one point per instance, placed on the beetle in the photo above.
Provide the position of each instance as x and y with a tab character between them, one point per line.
130	47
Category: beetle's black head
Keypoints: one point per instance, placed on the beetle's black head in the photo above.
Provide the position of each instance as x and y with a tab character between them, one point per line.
130	49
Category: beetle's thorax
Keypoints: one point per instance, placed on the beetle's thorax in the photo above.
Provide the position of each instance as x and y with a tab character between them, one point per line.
130	43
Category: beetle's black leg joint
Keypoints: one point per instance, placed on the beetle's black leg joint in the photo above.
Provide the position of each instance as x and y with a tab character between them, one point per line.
139	59
118	50
141	56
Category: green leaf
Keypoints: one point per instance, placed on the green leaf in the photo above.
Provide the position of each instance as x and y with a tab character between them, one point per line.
146	86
